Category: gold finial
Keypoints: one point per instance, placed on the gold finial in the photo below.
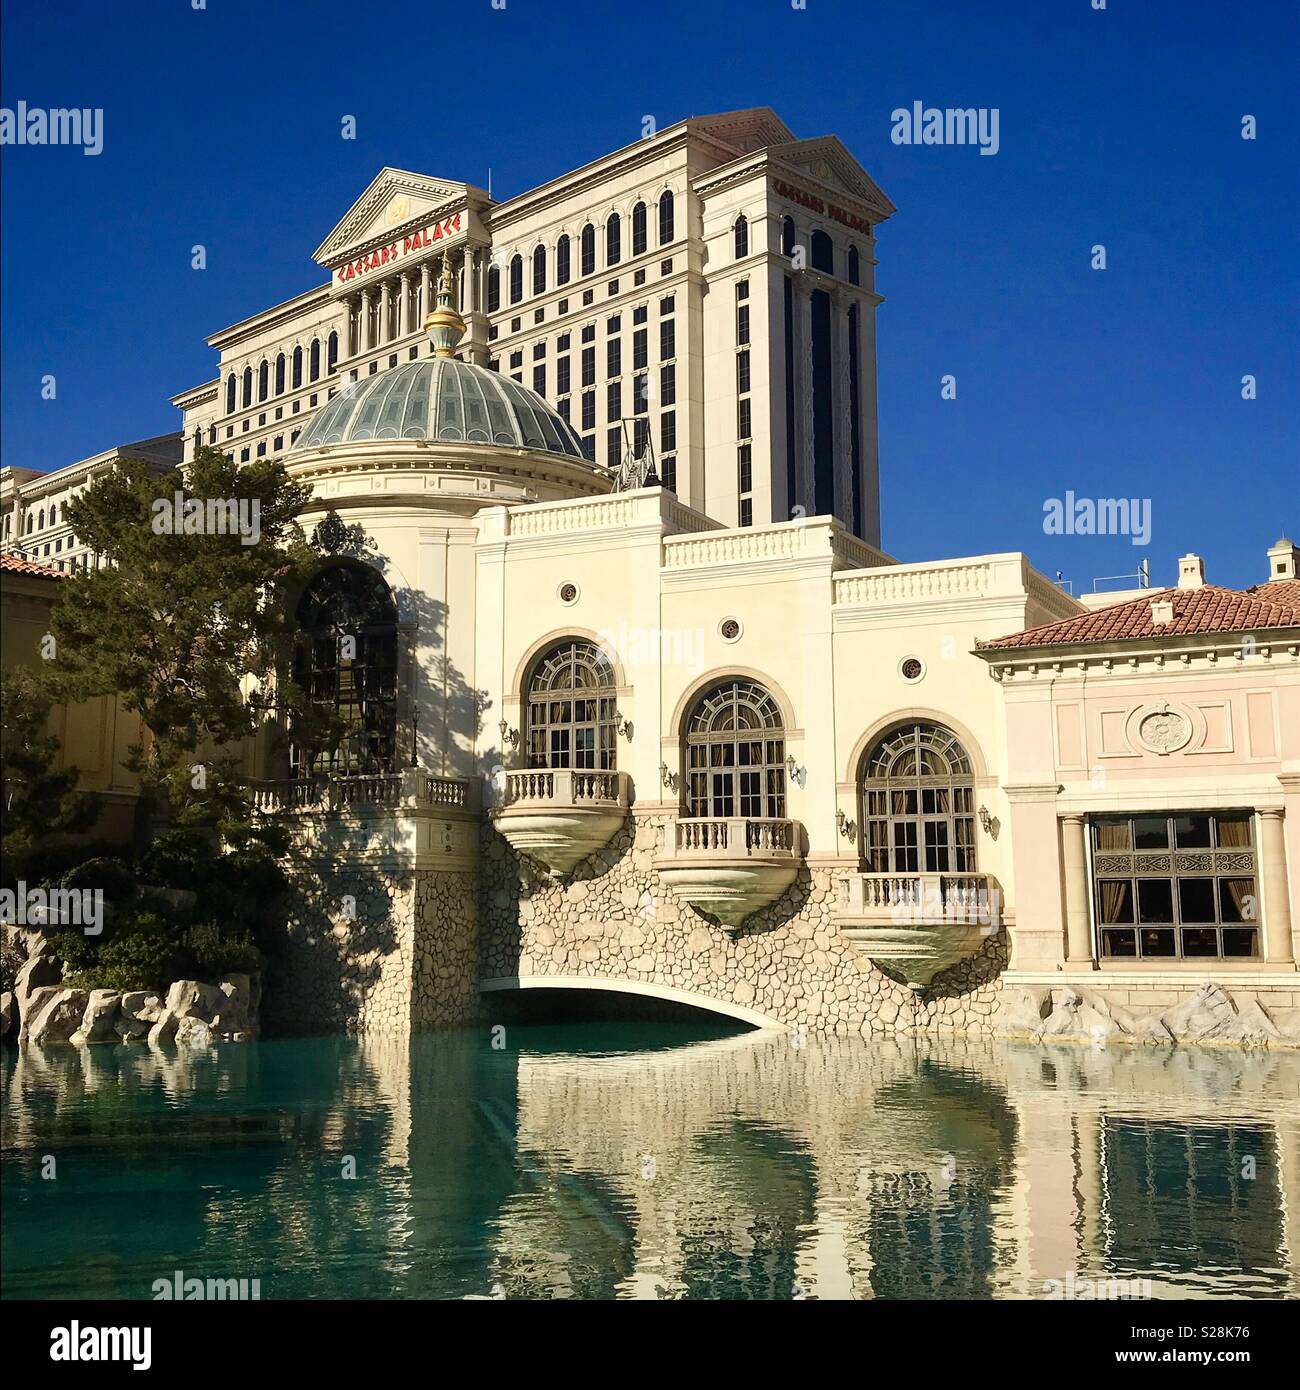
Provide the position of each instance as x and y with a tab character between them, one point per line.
444	325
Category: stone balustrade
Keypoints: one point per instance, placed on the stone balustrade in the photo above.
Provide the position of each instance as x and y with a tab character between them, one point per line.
565	787
729	867
407	789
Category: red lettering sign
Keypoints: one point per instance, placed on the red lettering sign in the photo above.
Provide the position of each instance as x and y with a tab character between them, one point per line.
417	241
816	204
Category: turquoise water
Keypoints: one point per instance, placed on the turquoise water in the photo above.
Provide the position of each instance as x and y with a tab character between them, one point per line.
608	1160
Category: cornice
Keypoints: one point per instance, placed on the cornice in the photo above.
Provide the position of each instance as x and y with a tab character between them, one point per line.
271	318
1189	655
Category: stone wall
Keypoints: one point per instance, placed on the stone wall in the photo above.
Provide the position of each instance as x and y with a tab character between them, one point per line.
615	920
374	950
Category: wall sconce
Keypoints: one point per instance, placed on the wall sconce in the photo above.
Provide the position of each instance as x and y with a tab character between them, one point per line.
669	779
986	821
795	772
508	735
847	828
623	726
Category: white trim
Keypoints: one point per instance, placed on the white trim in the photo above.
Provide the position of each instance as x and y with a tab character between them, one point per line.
647	988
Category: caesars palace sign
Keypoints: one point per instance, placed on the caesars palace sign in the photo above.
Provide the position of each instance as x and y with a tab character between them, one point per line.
816	204
383	256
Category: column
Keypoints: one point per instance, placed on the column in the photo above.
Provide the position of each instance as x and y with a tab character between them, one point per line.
385	300
426	299
841	414
1078	929
1276	923
1038	938
404	315
363	333
803	406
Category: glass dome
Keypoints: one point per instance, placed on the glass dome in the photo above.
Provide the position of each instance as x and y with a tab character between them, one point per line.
445	401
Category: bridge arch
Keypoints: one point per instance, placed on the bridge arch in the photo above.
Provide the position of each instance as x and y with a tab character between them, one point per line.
647	989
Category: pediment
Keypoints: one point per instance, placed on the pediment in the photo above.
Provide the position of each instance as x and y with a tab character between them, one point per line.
826	161
394	200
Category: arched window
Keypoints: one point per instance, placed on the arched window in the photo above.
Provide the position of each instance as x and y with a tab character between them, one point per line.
588	262
248	387
735	753
279	374
315	358
613	239
297	367
230	394
855	266
562	260
40	520
822	253
665	217
539	270
918	803
212	434
741	230
787	236
332	351
638	229
263	380
54	515
516	279
198	438
493	289
572	709
346	659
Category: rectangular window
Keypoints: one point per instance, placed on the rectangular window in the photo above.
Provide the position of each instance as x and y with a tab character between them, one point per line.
742	371
640	394
539	379
539	350
743	413
668	430
745	467
742	289
668	472
588	410
640	314
746	511
666	305
614	447
640	349
613	357
742	325
589	447
562	343
668	385
1176	886
614	401
562	377
589	333
589	366
516	359
667	339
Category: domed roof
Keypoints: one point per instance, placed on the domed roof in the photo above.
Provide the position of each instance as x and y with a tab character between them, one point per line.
443	400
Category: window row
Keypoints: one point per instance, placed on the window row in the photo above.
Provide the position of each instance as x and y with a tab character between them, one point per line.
536	274
288	374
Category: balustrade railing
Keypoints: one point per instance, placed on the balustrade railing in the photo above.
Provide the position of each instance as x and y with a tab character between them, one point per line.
736	836
565	787
412	787
962	897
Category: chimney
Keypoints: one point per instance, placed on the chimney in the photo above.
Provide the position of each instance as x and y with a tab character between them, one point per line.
1191	572
1283	558
1162	612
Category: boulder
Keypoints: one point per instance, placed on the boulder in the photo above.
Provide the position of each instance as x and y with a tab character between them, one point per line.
164	1030
36	1001
1210	1016
193	1033
59	1018
35	973
1024	1011
191	999
101	1013
233	1016
1151	1030
142	1005
130	1029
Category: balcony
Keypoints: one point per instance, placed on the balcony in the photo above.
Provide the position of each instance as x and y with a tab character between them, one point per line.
730	868
915	925
410	819
559	816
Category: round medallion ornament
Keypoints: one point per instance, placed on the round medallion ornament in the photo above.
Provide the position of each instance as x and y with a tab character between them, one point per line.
729	629
568	593
911	668
1165	730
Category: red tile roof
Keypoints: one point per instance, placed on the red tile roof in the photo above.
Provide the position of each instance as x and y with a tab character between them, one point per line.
1207	609
17	564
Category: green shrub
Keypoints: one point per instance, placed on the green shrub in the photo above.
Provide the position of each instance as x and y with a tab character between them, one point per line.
180	858
107	873
11	962
143	953
214	952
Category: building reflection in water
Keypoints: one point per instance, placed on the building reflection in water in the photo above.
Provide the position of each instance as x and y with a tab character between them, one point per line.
597	1162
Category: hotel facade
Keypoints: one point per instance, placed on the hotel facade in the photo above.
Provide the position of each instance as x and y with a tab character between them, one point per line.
638	703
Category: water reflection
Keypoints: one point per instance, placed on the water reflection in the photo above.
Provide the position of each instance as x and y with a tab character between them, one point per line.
599	1161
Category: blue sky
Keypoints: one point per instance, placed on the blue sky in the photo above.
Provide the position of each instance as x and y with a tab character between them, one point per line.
1119	126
